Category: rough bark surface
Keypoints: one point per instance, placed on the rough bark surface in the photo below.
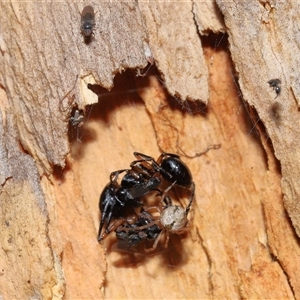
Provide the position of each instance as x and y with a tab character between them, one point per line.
241	243
208	17
29	268
264	43
43	55
180	60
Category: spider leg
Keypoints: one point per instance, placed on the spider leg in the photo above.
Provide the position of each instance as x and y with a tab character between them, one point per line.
164	195
168	200
155	222
156	219
151	208
191	198
167	239
155	243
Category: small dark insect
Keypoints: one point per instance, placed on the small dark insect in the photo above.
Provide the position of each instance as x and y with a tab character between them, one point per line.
275	84
77	118
76	121
117	200
88	23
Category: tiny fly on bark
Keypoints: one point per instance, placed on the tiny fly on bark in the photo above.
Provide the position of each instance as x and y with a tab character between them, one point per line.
88	23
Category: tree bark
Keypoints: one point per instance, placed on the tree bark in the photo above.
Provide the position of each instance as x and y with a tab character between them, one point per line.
195	92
